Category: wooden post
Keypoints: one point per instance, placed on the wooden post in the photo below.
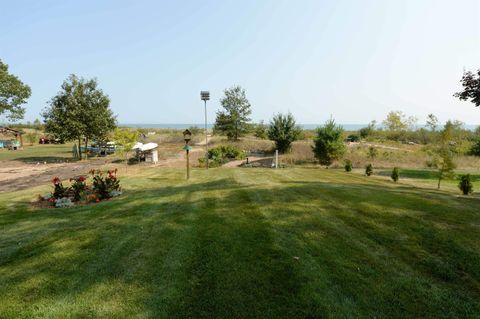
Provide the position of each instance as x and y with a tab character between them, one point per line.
276	158
188	163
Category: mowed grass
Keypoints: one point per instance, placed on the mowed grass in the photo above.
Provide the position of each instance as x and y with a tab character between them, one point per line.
244	243
49	153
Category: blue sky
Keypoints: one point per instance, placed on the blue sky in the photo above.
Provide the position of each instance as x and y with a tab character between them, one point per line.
354	60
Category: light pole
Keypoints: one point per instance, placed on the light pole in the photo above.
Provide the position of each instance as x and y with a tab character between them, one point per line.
205	96
187	136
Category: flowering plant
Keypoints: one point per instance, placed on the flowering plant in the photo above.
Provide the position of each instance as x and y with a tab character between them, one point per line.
59	190
104	185
79	187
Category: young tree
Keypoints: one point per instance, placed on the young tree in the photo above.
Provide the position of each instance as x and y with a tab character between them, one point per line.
126	139
233	120
471	87
329	144
432	122
31	138
13	93
395	174
80	111
398	121
465	184
260	130
445	151
283	130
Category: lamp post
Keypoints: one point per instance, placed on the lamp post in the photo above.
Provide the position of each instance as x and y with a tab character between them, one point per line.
187	136
205	96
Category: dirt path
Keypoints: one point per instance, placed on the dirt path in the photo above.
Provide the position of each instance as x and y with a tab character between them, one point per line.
251	160
18	175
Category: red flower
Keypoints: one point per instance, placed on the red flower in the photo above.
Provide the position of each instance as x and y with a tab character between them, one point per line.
82	179
56	180
97	200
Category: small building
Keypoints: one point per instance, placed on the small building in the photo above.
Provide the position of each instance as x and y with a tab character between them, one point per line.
147	152
10	143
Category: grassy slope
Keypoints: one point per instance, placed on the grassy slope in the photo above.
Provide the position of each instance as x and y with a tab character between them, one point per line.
39	153
244	243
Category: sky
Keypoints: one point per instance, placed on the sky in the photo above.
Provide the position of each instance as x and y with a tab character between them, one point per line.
351	60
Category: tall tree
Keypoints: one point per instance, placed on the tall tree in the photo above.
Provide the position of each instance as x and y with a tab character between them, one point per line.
233	120
471	87
80	111
329	144
445	153
13	93
283	130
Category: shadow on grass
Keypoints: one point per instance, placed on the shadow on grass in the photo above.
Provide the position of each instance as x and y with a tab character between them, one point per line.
226	249
47	159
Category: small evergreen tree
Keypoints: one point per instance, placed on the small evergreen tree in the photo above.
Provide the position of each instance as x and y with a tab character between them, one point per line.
283	130
369	170
234	119
465	184
329	144
395	174
348	165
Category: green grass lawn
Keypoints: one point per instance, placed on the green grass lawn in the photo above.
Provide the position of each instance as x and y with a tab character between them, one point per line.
49	153
244	243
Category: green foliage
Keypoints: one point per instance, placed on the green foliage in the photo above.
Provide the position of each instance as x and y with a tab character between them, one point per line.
59	191
432	122
104	184
222	154
79	111
31	138
13	94
261	130
126	140
63	202
348	165
354	138
369	170
367	131
78	188
465	184
195	130
372	153
395	174
233	120
283	130
471	88
328	144
475	149
398	121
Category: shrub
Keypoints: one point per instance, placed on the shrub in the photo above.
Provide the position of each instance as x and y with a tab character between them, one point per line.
220	155
369	170
283	130
372	152
348	165
465	184
395	174
103	185
78	188
329	145
260	130
59	190
475	149
354	138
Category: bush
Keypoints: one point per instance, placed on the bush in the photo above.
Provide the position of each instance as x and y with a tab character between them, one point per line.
103	185
59	190
220	155
354	138
475	149
465	184
395	174
369	170
348	165
78	188
260	130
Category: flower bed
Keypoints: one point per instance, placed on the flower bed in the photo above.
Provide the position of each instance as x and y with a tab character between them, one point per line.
93	188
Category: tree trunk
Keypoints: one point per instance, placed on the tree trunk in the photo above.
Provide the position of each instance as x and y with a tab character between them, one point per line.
86	147
79	148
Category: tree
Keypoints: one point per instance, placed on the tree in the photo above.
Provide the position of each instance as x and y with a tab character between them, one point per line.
465	184
13	93
37	125
31	138
369	170
233	120
328	144
80	111
395	174
445	151
398	121
369	130
283	130
432	122
126	139
471	88
372	153
260	130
